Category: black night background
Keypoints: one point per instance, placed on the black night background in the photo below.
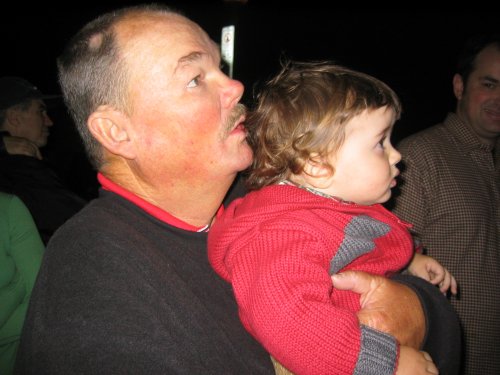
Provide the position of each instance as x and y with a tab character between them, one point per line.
413	51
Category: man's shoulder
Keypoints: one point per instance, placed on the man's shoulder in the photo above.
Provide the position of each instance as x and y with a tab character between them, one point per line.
430	134
101	215
21	160
426	141
22	169
109	218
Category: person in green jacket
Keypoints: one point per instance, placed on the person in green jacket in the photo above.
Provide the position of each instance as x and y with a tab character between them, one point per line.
21	250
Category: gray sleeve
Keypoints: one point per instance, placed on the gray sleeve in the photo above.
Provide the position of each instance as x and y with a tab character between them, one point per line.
378	353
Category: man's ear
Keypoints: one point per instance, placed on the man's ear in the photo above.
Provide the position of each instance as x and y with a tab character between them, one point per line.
458	86
110	128
12	120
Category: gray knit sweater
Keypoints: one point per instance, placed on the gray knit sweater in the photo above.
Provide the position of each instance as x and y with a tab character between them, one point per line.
121	292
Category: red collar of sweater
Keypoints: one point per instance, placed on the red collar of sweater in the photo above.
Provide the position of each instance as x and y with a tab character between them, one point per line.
151	209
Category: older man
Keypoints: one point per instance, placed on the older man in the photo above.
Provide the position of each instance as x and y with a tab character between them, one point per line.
126	286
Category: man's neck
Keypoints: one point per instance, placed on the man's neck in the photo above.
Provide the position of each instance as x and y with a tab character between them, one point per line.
195	204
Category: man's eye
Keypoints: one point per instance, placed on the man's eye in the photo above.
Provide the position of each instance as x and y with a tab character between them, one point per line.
194	82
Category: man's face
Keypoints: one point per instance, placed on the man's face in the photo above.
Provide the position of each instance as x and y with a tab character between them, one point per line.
479	98
32	123
185	112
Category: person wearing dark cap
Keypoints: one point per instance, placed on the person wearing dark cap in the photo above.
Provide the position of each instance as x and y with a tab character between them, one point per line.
24	125
23	110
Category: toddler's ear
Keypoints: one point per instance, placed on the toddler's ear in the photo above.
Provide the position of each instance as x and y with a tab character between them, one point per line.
317	171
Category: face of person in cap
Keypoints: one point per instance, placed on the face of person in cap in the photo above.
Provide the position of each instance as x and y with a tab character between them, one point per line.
24	110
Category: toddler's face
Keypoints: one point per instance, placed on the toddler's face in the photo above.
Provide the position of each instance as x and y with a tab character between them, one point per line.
365	165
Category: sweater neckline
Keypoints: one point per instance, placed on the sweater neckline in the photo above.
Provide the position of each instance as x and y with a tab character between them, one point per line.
151	209
314	191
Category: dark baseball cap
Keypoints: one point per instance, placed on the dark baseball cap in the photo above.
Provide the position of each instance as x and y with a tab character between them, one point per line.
15	90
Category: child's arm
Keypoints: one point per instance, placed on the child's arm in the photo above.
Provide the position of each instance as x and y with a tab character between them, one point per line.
431	270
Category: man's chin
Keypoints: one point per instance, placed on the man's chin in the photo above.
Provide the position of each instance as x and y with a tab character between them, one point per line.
246	157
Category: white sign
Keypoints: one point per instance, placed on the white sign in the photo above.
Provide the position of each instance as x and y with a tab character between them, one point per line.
227	47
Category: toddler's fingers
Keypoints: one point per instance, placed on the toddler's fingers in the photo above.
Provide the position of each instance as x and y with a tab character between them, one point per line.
431	367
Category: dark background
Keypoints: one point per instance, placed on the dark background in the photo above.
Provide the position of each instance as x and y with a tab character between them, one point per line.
413	51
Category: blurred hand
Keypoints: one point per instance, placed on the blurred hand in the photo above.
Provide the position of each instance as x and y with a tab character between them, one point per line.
431	270
414	362
386	305
21	146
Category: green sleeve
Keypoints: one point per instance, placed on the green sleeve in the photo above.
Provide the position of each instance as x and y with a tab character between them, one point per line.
26	247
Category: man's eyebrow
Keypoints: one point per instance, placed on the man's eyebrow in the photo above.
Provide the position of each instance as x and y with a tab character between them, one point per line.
193	56
490	79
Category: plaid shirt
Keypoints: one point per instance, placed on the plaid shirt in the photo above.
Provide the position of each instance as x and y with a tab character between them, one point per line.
450	192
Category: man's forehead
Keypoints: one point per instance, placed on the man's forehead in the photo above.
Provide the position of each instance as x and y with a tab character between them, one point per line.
157	25
170	34
488	57
36	103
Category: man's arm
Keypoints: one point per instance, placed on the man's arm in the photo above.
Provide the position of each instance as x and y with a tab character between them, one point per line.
386	305
412	310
